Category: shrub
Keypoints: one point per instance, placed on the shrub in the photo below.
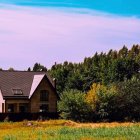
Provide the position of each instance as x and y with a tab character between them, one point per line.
102	100
116	103
128	99
72	105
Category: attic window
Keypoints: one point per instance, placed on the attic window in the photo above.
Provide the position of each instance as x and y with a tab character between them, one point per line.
17	91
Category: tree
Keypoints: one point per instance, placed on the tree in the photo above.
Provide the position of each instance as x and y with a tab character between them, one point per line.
72	105
123	53
134	52
75	81
105	68
39	67
29	69
102	100
128	99
11	69
60	72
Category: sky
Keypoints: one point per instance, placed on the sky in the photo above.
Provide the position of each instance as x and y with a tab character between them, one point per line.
49	31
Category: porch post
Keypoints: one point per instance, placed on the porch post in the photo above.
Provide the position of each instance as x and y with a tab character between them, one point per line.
17	107
6	111
3	107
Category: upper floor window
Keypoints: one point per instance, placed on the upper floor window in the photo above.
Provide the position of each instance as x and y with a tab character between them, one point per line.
44	95
17	91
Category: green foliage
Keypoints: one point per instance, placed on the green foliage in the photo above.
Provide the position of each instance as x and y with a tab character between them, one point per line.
105	68
102	99
117	68
39	67
75	81
115	92
72	105
119	102
61	74
128	99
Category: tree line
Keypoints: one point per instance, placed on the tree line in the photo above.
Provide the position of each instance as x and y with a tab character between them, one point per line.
105	87
105	68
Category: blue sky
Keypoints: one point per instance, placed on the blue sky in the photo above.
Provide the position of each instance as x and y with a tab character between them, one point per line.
122	7
49	31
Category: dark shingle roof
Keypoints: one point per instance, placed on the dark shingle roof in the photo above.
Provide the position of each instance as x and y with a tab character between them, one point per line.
10	80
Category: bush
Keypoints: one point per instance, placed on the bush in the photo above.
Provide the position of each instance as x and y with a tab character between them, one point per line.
128	99
116	103
119	102
73	106
102	100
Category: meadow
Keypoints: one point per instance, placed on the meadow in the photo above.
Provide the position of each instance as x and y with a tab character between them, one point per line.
68	130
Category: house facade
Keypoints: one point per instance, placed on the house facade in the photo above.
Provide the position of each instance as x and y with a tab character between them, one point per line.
30	92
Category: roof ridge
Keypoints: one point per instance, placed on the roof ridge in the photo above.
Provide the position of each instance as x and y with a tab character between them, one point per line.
23	71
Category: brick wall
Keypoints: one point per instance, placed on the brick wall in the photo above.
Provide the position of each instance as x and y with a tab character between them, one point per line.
35	99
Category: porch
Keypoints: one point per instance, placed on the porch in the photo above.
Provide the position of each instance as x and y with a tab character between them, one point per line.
17	106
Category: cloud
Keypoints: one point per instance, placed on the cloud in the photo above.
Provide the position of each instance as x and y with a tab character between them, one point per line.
48	35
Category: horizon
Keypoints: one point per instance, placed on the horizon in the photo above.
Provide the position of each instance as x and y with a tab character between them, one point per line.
55	63
59	30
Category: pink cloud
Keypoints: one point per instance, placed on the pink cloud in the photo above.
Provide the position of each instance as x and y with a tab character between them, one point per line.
29	35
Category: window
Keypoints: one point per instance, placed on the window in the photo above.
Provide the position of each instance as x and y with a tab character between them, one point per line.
10	108
44	95
44	108
23	107
17	91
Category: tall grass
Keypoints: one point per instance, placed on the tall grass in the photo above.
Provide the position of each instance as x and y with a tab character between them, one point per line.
132	132
67	130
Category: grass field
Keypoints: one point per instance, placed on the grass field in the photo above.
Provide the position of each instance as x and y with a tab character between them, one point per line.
68	130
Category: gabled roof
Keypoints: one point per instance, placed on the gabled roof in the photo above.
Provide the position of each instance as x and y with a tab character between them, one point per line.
27	82
36	80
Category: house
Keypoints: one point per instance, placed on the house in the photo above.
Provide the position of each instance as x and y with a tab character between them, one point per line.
30	92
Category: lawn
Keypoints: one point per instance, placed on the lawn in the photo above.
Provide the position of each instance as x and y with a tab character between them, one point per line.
68	130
